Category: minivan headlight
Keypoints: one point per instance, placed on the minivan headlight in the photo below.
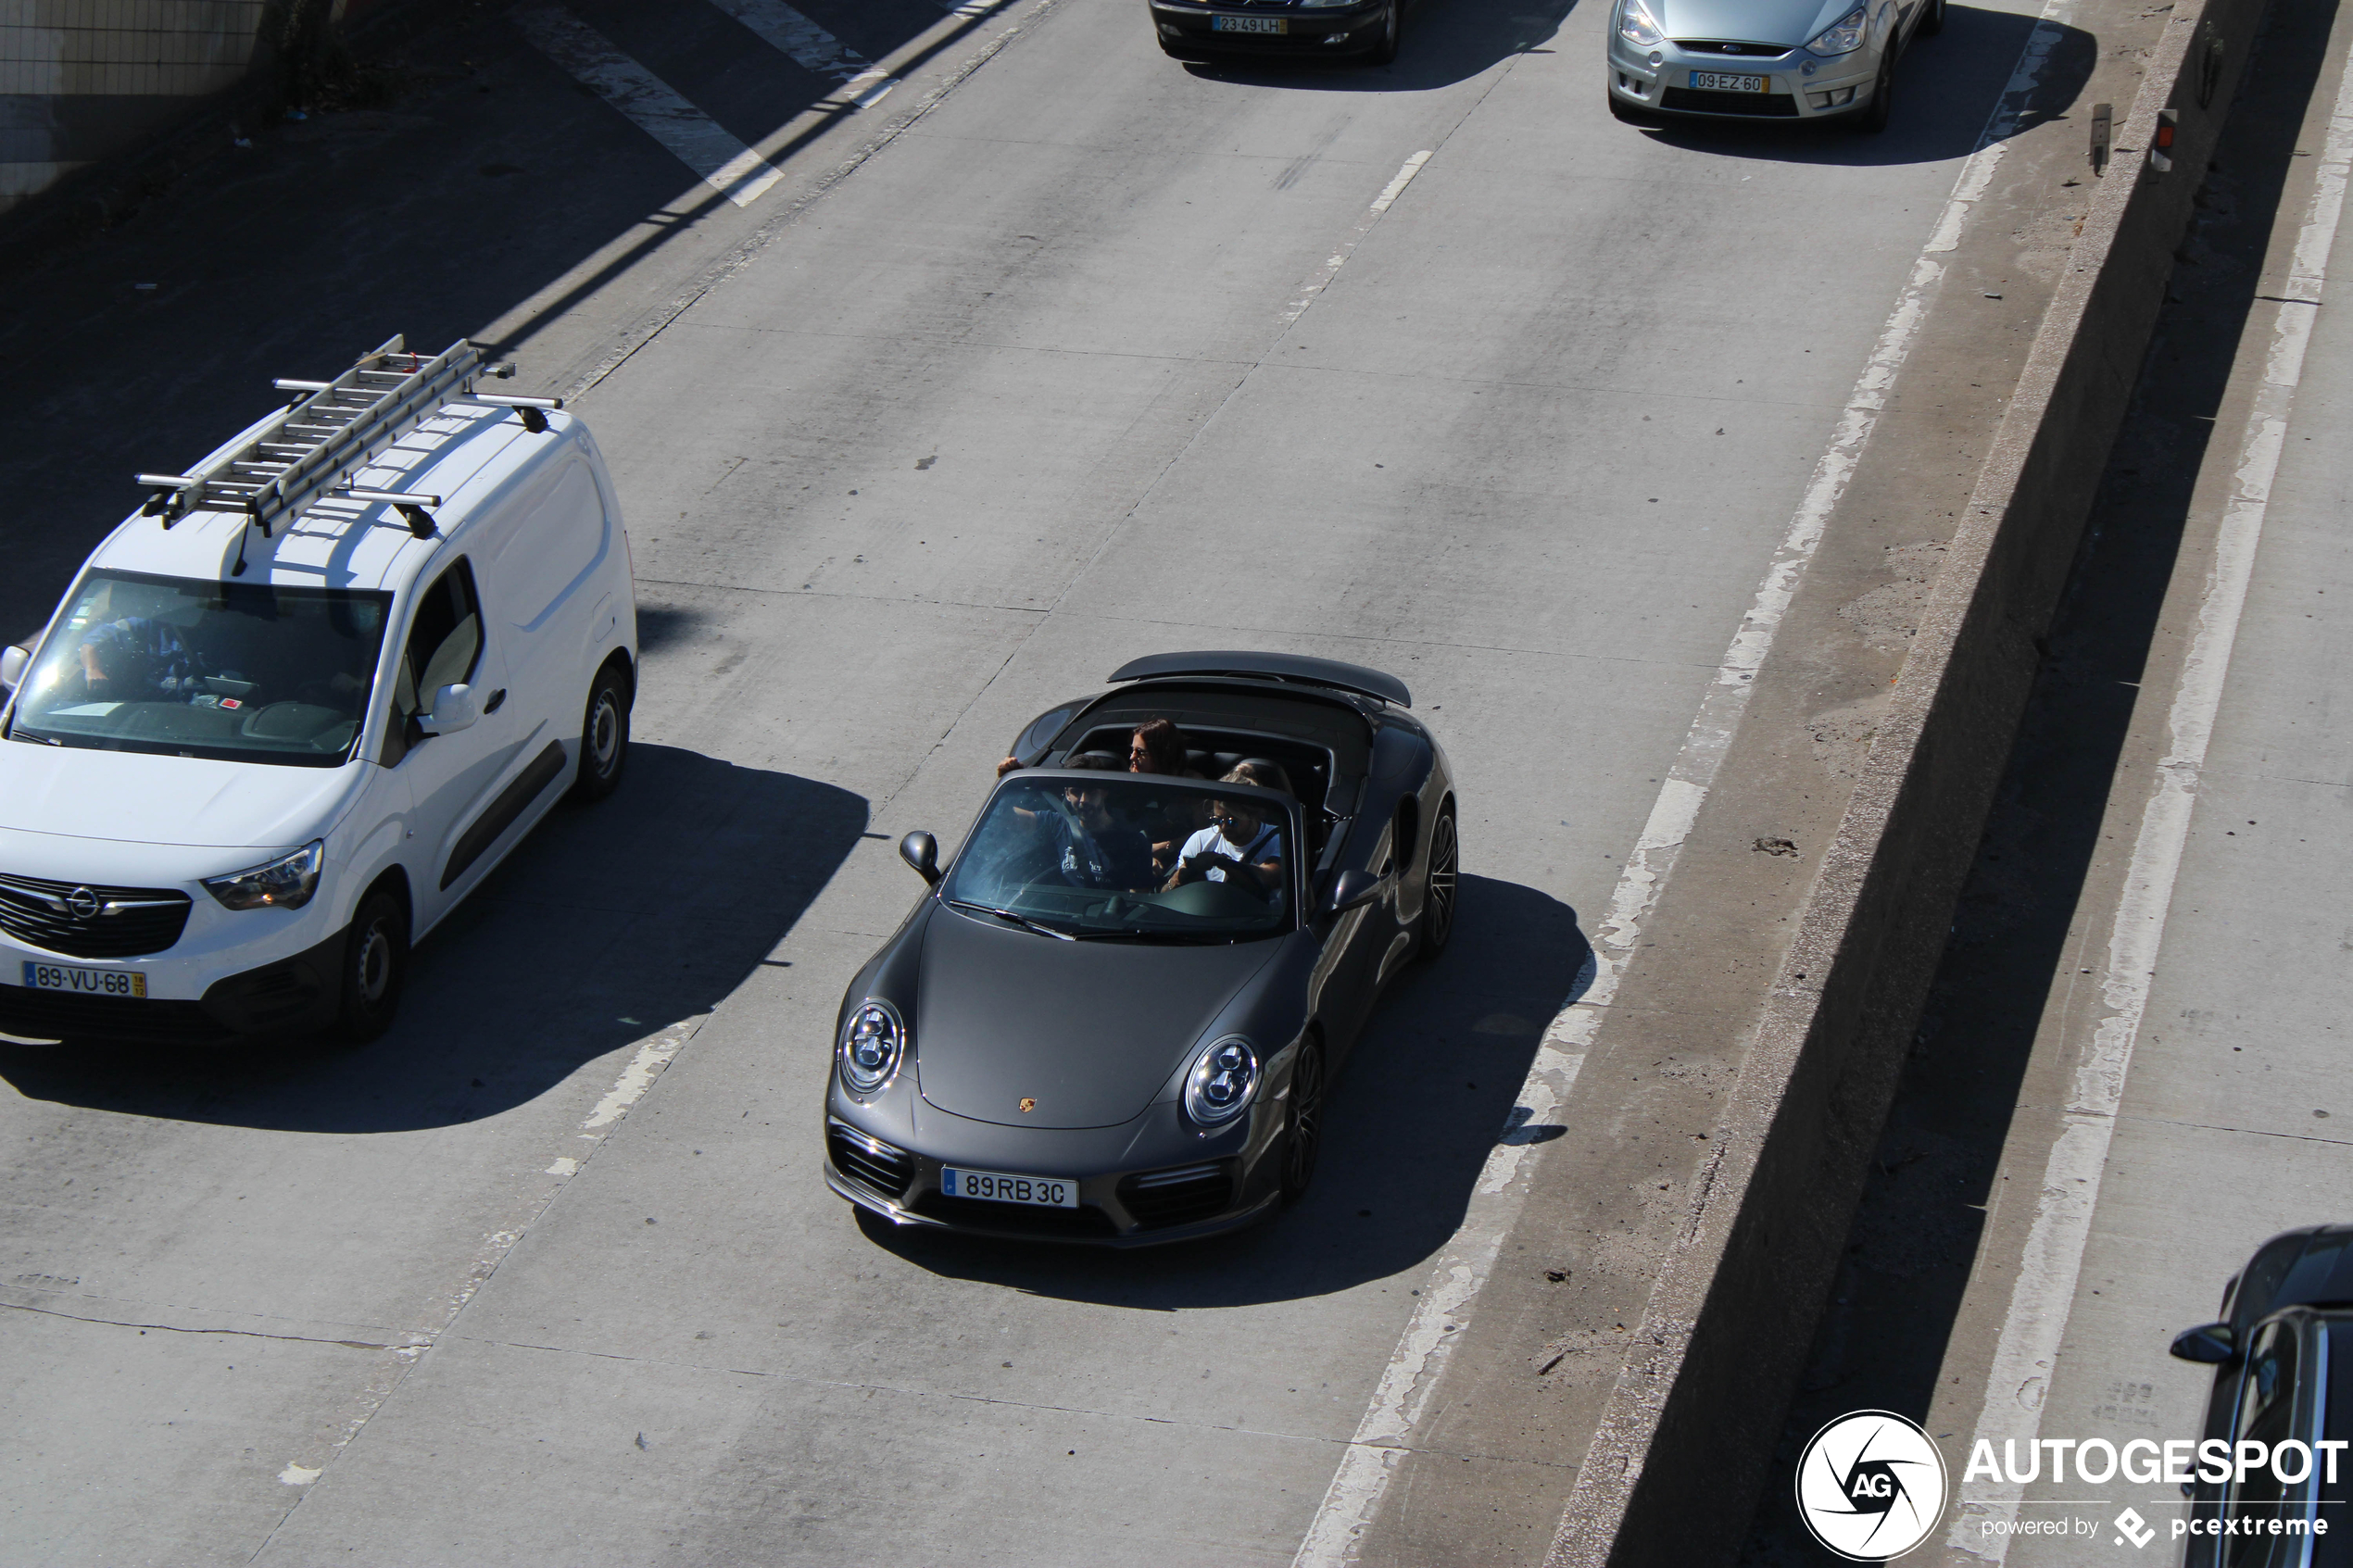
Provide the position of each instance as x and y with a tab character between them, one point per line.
872	1042
286	883
1638	27
1842	36
1223	1080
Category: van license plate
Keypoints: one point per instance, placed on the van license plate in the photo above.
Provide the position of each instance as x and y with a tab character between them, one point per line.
995	1186
1720	82
84	982
1248	24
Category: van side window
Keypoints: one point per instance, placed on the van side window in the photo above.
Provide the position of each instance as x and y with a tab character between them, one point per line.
445	643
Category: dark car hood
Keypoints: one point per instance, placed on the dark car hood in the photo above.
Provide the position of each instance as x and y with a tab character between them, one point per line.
1088	1030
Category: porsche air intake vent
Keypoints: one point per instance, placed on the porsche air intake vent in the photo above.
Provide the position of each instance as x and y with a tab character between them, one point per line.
1178	1197
869	1162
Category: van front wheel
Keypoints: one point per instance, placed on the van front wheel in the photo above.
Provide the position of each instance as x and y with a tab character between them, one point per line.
604	736
375	967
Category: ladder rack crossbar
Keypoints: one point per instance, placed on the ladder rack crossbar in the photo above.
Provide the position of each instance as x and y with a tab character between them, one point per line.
330	429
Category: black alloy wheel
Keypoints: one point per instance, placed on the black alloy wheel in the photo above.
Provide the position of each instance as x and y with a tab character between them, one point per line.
1933	21
1392	24
604	736
1871	118
1303	1120
1439	896
375	968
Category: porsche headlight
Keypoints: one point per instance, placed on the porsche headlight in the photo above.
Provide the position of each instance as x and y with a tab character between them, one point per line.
1638	27
1222	1082
872	1042
286	883
1842	36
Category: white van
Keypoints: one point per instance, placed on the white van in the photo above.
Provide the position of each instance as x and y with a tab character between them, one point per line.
302	702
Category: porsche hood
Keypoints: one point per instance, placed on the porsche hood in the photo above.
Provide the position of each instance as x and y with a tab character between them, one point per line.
1088	1032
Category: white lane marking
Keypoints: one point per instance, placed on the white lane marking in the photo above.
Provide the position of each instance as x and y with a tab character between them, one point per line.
970	8
1383	1436
1323	275
813	49
2009	111
524	1207
2044	1293
691	136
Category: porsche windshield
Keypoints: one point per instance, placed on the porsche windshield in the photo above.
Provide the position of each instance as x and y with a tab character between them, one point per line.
1127	854
246	672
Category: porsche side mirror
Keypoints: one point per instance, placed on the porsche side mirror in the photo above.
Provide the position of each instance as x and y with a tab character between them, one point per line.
12	663
922	851
454	709
2211	1344
1351	890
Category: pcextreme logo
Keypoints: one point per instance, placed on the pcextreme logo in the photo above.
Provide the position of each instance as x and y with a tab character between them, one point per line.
1870	1485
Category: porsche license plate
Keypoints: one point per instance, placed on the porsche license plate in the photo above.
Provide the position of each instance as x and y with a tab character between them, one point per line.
995	1186
84	982
1248	24
1720	82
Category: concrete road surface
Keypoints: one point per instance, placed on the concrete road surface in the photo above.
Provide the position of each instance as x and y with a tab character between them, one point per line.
1089	355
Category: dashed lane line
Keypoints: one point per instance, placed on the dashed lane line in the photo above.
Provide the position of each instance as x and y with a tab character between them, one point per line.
813	49
690	135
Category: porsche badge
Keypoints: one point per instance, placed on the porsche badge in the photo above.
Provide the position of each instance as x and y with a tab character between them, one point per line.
1027	1105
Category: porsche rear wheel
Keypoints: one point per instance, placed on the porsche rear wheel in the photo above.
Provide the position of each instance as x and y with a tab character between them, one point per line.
1303	1120
1438	898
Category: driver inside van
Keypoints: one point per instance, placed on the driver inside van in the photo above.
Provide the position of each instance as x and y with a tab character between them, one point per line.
137	660
1239	844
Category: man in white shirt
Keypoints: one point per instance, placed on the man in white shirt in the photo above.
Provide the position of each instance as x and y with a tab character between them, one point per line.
1239	845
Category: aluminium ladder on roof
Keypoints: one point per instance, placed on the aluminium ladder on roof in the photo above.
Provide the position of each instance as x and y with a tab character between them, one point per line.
331	429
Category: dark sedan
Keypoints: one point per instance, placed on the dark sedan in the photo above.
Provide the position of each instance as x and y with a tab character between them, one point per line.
1113	1016
1366	30
2282	1360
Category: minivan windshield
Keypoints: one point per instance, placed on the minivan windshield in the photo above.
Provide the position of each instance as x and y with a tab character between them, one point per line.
1133	855
246	672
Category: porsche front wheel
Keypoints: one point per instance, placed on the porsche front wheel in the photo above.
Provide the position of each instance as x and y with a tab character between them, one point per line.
1303	1120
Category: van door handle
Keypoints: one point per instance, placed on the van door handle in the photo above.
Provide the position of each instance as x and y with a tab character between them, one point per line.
497	700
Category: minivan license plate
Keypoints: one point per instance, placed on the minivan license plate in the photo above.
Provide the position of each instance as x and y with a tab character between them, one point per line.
1248	24
84	982
995	1186
1719	82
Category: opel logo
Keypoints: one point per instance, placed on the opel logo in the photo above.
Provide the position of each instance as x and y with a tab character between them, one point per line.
82	904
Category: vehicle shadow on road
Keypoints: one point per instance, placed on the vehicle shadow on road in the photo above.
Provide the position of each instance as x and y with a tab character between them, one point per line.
1945	89
1410	1122
608	925
1443	42
1893	1325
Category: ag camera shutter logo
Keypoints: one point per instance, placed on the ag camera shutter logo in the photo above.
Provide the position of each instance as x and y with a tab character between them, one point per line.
1870	1485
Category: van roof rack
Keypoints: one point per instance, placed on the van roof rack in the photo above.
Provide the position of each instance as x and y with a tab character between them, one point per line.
330	429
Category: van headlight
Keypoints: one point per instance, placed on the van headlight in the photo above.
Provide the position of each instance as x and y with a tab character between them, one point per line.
1222	1083
872	1042
286	883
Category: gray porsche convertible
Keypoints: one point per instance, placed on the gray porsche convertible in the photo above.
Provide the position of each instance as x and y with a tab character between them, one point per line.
1113	1016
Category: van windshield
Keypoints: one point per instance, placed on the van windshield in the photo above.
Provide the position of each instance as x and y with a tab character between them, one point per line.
1133	855
254	672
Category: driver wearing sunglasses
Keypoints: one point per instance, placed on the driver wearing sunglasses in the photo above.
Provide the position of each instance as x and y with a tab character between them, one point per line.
1239	844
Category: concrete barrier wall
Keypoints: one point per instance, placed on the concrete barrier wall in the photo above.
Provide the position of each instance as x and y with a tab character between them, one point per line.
80	79
1677	1466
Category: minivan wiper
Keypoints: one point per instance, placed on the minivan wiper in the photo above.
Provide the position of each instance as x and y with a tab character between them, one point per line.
1020	920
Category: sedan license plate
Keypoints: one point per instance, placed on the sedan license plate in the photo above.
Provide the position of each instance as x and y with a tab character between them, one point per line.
995	1186
1720	82
84	982
1248	24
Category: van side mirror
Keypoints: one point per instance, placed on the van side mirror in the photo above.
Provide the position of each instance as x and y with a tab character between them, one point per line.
922	851
454	709
1351	890
12	663
2210	1344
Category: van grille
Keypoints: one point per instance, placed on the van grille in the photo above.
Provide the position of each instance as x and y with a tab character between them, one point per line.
1743	51
1155	1199
869	1162
1768	106
125	923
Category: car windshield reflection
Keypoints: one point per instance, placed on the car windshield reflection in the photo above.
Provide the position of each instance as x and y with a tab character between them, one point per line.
1128	855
